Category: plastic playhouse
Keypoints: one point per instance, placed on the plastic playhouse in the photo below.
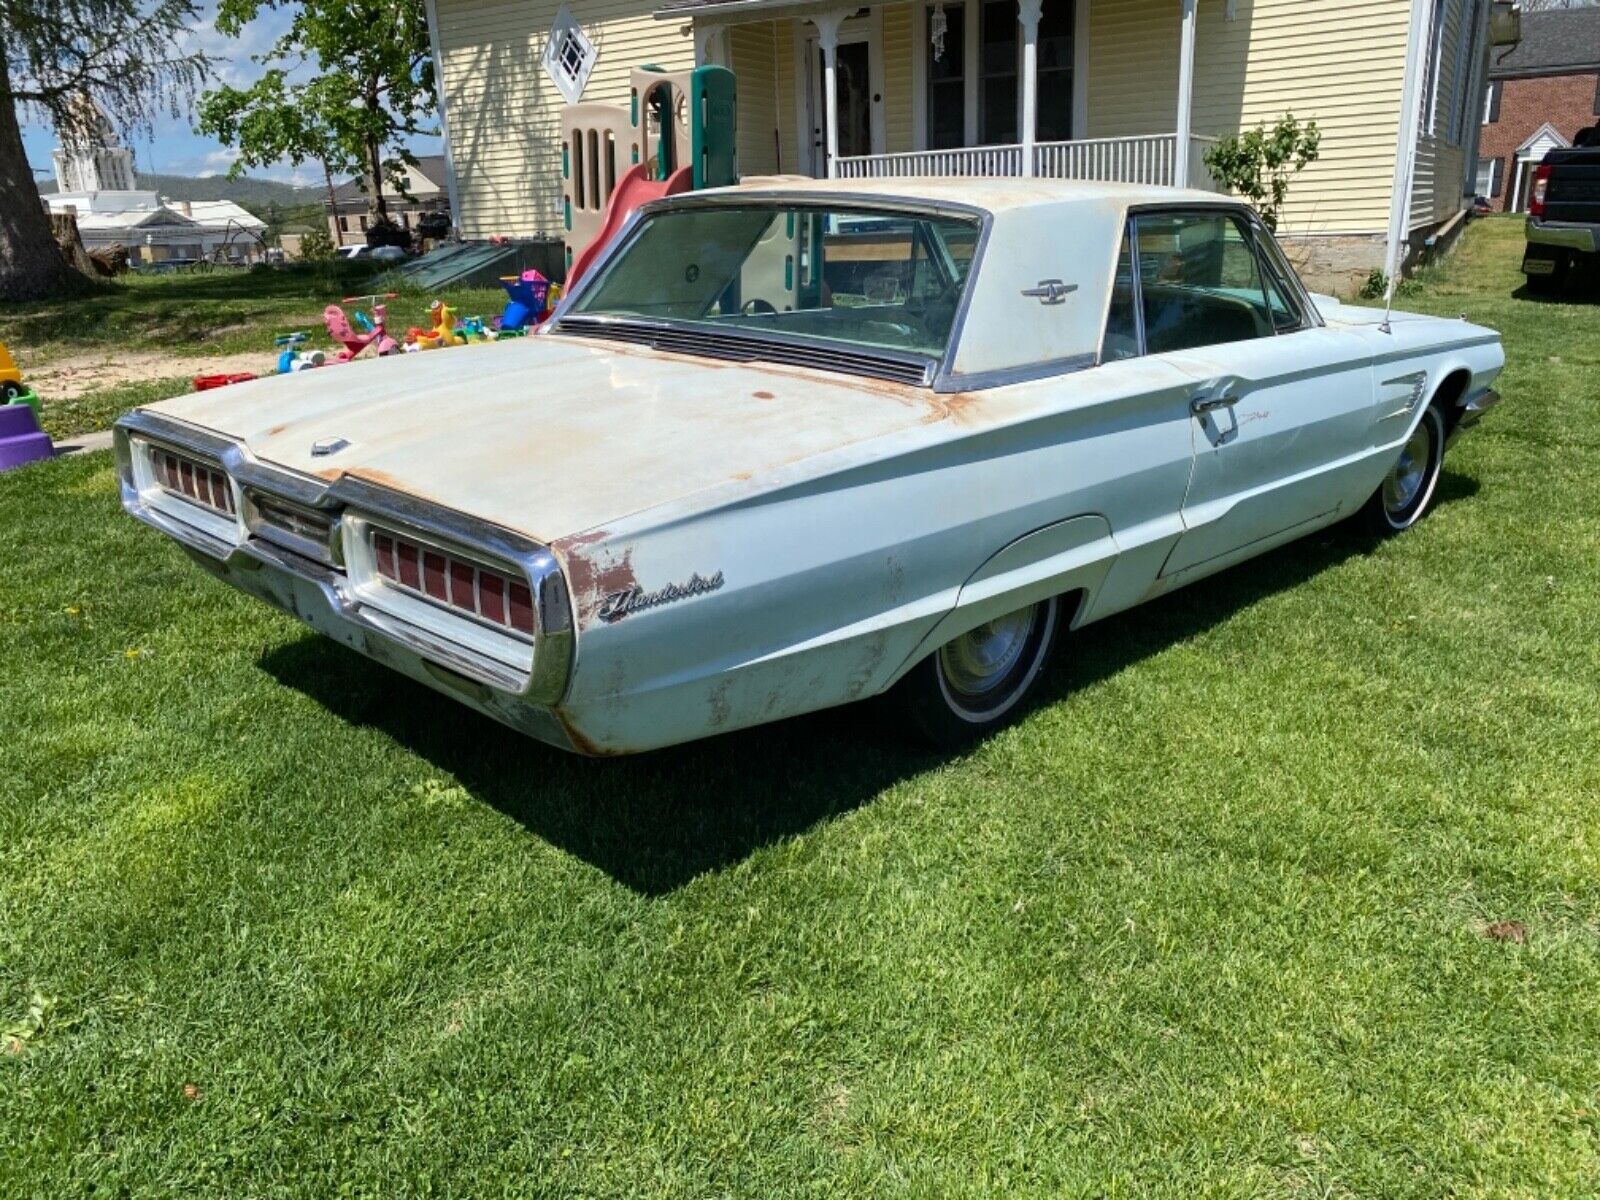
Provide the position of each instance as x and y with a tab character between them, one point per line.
676	135
21	438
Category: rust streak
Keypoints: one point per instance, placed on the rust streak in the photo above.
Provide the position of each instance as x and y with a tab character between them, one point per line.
579	740
763	395
593	572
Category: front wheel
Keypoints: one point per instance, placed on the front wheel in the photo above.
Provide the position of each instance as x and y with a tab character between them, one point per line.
978	681
1403	498
9	391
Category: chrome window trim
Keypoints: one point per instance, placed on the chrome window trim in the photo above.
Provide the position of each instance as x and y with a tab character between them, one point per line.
867	201
553	640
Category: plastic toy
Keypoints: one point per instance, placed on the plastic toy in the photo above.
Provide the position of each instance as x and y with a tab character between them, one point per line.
678	133
31	400
11	385
289	350
530	298
204	383
21	439
375	334
442	331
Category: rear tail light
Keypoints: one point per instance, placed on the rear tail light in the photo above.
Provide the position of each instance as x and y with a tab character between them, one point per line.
1541	184
454	583
193	480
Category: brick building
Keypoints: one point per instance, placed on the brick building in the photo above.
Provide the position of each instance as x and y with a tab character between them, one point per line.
1542	95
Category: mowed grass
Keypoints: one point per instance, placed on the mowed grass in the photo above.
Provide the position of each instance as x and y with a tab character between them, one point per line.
1292	888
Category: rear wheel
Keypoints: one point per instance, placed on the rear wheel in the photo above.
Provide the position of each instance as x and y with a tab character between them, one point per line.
1403	498
9	391
980	680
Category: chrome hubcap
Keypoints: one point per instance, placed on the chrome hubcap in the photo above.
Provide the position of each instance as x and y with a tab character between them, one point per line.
974	663
1410	472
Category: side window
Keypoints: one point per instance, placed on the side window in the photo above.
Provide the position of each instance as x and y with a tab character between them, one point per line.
1287	314
1122	328
1199	281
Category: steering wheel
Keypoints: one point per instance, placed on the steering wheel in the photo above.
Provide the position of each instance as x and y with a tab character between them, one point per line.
757	307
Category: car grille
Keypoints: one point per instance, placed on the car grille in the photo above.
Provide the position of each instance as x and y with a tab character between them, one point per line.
192	479
721	344
492	597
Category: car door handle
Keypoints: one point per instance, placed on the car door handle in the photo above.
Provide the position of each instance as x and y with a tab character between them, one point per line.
1212	401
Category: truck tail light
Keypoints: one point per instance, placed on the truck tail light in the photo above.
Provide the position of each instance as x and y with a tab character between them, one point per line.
1541	183
492	596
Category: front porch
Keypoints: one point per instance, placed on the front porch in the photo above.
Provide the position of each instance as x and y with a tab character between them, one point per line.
1142	158
964	87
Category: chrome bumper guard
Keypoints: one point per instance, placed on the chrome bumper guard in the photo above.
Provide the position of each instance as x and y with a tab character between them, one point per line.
1472	409
264	544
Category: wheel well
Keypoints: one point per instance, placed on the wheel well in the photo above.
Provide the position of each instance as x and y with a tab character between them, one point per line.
1449	392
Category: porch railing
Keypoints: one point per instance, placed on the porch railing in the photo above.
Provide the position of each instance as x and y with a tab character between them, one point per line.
1146	158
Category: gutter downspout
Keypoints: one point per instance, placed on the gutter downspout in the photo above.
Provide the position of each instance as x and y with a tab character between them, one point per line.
431	11
1406	146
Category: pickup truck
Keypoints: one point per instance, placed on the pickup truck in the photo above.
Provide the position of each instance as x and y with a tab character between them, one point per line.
1564	215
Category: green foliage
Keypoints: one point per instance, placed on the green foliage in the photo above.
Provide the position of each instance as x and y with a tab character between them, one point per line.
371	90
1259	163
316	245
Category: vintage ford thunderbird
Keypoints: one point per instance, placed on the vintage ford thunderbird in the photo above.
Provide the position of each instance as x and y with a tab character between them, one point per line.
793	444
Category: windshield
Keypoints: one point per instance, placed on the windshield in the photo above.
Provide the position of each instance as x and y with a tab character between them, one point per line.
872	279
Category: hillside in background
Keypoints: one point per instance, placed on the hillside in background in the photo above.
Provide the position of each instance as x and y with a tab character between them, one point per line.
251	193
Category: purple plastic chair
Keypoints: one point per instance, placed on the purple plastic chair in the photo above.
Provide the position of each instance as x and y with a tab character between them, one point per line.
21	439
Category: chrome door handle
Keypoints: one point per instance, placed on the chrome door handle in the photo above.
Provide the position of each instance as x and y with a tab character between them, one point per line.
1205	404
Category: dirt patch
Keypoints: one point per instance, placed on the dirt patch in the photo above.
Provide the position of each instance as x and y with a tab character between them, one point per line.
80	374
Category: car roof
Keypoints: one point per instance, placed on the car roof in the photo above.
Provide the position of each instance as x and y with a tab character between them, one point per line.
993	195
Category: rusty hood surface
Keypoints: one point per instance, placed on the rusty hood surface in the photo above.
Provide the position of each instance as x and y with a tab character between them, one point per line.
551	436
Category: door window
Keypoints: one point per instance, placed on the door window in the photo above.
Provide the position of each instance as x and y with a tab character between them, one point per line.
1200	282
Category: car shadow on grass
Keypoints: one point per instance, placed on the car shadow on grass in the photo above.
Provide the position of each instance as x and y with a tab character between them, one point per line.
655	821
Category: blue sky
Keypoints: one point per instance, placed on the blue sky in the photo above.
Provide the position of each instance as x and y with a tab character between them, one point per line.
175	149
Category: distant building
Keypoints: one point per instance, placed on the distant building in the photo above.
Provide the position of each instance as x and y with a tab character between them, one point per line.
97	183
1541	96
427	191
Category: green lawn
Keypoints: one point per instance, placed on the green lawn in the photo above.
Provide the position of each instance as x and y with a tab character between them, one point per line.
1292	889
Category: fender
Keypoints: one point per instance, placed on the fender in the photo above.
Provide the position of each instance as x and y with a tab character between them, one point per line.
1073	555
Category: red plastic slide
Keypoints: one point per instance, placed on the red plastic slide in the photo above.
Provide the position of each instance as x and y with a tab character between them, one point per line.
633	189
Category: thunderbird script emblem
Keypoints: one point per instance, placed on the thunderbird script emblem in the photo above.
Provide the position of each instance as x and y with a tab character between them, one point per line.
635	599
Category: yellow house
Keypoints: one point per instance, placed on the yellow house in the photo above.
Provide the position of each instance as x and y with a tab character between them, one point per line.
1132	90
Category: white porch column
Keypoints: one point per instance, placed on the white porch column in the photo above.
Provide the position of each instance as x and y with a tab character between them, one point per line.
1180	159
828	38
1028	16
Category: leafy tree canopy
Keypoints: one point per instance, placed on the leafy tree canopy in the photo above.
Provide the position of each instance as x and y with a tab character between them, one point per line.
347	85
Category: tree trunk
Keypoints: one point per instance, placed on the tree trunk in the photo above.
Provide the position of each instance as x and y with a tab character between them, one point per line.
380	207
31	266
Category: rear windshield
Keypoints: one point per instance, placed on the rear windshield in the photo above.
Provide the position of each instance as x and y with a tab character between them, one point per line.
870	279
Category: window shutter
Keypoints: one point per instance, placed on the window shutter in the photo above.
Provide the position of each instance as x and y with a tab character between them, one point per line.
1597	95
1497	178
1494	101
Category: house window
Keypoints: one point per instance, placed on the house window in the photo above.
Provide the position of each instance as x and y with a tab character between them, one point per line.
947	84
997	73
344	224
1054	117
1491	103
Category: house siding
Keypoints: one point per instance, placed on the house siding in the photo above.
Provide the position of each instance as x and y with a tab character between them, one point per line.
897	89
1439	173
505	114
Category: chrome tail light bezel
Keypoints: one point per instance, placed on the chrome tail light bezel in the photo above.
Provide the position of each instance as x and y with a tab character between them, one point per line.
536	666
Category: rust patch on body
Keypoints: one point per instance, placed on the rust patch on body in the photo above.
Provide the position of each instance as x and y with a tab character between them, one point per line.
579	741
763	395
277	429
593	572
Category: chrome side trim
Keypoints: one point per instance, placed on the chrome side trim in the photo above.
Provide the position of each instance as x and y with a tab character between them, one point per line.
1023	373
553	642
